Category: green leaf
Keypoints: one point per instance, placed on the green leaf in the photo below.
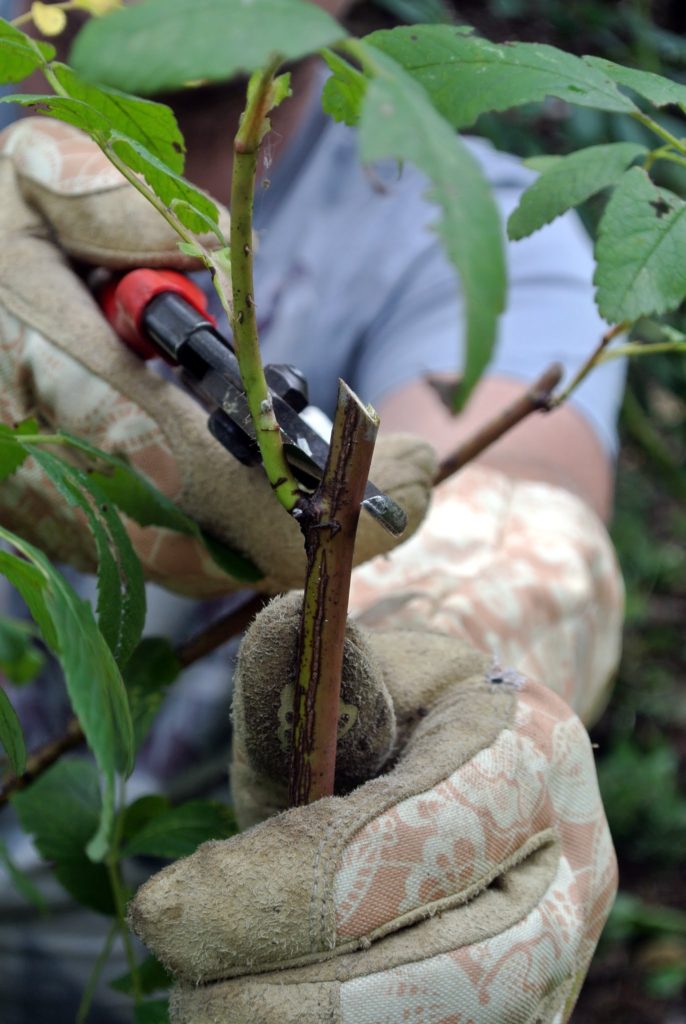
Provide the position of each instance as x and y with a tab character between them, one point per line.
398	121
569	181
228	560
160	45
11	735
30	583
121	587
22	882
640	250
466	76
140	812
344	91
20	659
151	124
660	91
61	810
11	453
19	55
96	689
147	506
179	831
100	112
151	977
541	162
194	209
156	1011
151	670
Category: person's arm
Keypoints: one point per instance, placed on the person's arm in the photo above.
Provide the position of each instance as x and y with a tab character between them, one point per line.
559	448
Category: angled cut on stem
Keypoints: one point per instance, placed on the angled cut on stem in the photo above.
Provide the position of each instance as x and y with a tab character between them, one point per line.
329	522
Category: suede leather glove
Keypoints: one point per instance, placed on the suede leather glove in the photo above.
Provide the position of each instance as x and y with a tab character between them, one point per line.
60	362
469	881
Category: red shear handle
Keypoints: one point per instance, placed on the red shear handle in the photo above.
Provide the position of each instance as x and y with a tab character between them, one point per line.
124	300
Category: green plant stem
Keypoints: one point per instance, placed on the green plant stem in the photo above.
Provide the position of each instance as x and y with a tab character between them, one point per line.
114	872
593	360
244	321
94	977
663	153
657	129
633	348
329	522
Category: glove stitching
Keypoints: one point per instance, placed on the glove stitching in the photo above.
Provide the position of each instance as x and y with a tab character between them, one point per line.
317	914
454	902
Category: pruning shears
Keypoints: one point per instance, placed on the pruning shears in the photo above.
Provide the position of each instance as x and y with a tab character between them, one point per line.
163	313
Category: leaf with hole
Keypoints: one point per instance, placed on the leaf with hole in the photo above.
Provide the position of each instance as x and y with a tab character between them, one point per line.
466	76
658	89
639	250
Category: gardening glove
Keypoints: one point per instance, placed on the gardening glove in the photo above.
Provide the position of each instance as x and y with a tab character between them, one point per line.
469	881
61	362
524	571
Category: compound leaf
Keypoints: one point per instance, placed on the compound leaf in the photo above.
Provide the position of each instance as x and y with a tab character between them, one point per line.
180	830
61	810
19	55
151	124
466	76
121	588
96	689
399	121
157	45
193	208
639	252
344	91
147	506
660	91
11	452
569	181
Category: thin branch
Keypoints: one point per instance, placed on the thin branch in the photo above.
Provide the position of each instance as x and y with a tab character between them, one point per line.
536	398
595	358
193	650
329	522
